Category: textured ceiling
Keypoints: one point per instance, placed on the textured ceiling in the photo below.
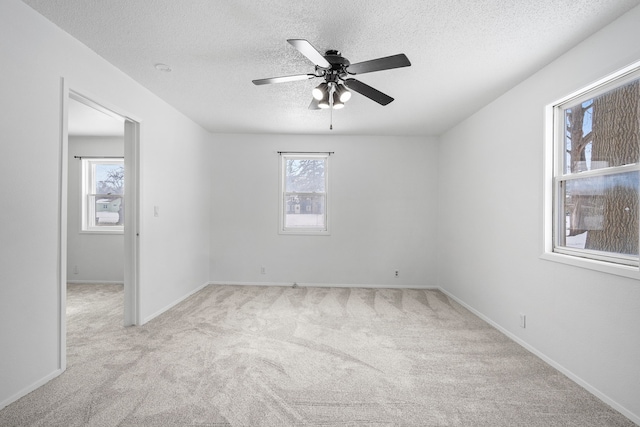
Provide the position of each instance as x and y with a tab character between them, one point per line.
464	54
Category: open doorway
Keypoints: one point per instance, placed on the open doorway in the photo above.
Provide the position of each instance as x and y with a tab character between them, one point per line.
99	205
95	198
95	219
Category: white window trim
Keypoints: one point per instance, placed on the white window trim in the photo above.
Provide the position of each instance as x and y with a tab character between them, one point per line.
553	163
86	180
281	194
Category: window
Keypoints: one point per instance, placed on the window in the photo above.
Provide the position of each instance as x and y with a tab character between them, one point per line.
596	171
103	194
303	194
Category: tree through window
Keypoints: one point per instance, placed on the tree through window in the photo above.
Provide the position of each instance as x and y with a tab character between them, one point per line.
597	181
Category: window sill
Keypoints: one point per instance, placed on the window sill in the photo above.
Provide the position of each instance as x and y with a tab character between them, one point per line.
601	266
101	231
304	233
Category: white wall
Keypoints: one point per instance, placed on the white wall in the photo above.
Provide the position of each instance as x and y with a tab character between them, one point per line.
490	222
91	257
174	247
382	213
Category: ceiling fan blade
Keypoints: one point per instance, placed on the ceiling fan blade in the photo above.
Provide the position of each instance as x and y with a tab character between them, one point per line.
368	91
386	63
283	79
314	105
307	49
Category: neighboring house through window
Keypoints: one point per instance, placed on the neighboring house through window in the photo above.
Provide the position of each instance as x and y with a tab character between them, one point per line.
103	194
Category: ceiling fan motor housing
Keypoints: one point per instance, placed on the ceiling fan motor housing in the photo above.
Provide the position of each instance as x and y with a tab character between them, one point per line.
338	66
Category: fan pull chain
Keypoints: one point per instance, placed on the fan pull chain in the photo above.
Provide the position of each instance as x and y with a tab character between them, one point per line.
332	88
331	120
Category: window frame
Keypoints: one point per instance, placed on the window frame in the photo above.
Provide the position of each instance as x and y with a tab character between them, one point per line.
300	231
88	182
555	176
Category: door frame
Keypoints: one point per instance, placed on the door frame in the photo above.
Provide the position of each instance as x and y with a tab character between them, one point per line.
131	309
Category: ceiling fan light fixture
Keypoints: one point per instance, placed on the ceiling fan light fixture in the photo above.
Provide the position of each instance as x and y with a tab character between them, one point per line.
320	91
344	94
323	102
337	103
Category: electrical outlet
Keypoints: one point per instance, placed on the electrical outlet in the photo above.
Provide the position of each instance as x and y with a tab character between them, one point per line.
523	320
397	273
75	269
263	270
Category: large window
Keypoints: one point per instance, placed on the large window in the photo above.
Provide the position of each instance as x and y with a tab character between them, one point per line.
103	194
597	172
303	194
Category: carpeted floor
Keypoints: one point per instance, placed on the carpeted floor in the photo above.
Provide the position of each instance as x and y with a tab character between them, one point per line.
274	356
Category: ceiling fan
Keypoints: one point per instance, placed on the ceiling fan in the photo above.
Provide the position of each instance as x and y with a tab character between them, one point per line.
336	71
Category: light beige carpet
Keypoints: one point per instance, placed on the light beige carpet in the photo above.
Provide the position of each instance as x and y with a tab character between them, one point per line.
274	356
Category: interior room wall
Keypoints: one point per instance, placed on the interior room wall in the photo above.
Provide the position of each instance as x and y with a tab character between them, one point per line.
91	257
174	175
382	212
491	230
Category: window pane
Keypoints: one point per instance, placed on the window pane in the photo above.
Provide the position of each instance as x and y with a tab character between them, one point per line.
305	175
604	131
304	211
602	213
109	178
103	194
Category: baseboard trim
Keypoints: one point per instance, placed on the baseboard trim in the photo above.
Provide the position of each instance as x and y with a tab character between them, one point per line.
323	285
173	304
575	378
95	282
30	388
